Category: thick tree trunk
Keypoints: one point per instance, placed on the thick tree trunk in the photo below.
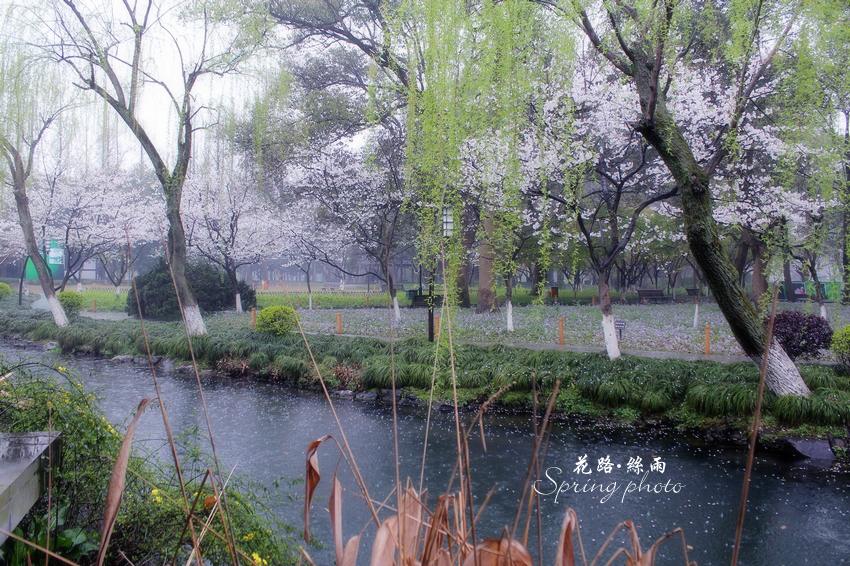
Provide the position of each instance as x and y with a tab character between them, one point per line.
177	256
486	297
609	333
741	260
234	283
25	220
660	130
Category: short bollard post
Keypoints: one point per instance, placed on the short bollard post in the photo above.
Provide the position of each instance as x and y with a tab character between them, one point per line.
436	326
367	301
561	331
707	340
593	301
94	306
253	317
299	302
339	323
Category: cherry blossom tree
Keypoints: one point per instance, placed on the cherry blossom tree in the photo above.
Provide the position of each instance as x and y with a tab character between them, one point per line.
227	222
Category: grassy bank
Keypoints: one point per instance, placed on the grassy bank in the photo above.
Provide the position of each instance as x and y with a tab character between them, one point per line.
150	522
592	386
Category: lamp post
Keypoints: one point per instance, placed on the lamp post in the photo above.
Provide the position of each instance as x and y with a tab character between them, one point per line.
448	222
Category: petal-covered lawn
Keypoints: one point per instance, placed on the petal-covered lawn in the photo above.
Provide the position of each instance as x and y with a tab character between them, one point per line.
666	327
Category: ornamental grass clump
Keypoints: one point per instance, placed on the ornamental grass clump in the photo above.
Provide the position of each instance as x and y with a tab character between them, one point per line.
277	320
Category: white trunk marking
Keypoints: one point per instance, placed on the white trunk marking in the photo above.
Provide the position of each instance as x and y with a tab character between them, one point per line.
80	287
783	377
117	291
194	320
238	302
823	311
510	309
396	310
696	315
57	311
610	334
310	302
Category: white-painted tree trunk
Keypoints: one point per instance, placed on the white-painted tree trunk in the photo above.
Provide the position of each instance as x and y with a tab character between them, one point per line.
194	321
57	311
118	291
310	302
239	302
510	308
80	287
782	376
823	311
610	334
696	314
396	310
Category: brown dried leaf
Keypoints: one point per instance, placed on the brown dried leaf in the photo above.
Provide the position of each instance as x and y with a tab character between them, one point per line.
335	508
349	555
116	484
209	502
566	551
312	478
383	549
499	552
434	533
411	523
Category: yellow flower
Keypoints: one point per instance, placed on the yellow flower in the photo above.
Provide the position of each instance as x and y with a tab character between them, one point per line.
156	496
249	536
259	560
60	368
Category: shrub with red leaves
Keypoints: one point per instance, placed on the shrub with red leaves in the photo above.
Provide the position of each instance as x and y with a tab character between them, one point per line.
802	335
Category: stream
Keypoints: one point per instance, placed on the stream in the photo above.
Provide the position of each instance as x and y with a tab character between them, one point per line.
798	512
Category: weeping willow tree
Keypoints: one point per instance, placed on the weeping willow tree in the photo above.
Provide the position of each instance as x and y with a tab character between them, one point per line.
469	130
31	99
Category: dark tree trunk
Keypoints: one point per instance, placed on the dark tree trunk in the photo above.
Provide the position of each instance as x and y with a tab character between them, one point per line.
486	297
660	130
789	284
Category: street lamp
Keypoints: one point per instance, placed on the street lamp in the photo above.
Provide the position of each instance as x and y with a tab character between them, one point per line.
447	232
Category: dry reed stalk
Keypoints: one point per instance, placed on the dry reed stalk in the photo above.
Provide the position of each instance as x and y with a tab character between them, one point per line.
115	490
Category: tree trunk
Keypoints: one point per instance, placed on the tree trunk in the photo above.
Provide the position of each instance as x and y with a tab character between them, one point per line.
609	333
790	295
660	130
177	257
391	289
486	297
509	290
741	260
234	283
25	220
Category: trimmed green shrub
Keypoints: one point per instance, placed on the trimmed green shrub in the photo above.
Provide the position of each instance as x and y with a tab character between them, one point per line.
841	345
5	290
277	320
210	285
802	335
71	301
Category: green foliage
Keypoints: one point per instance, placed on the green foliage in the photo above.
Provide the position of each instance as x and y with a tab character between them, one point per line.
277	320
210	285
149	526
5	290
71	301
840	345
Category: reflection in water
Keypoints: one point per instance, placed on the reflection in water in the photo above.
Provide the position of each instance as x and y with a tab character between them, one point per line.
797	514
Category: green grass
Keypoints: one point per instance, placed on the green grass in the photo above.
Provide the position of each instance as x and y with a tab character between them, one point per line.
590	383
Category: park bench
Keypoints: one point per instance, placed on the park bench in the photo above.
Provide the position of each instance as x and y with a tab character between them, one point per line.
693	292
422	301
652	296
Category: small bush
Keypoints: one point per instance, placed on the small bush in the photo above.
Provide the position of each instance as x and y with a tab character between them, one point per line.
841	345
210	285
5	290
277	320
71	301
802	335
